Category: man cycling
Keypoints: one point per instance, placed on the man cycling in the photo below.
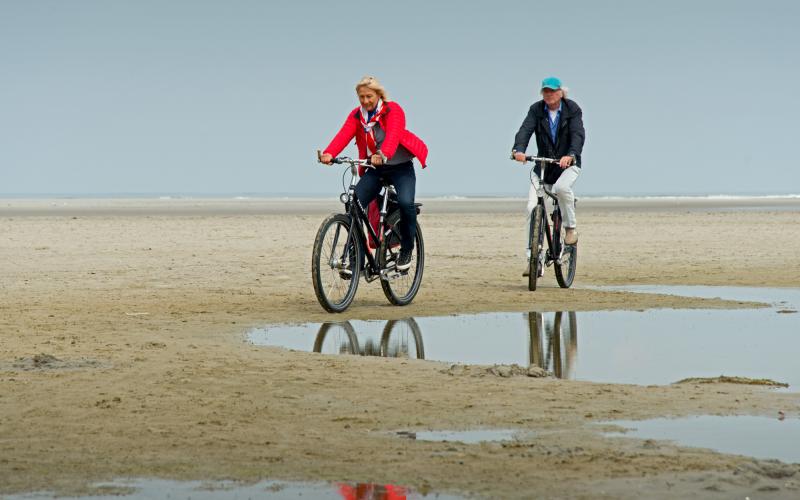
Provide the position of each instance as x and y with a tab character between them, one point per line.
558	125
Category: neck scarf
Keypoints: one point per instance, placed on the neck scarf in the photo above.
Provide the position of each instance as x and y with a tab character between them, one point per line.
369	124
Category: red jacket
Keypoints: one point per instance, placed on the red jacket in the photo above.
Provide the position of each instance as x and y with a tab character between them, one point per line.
393	124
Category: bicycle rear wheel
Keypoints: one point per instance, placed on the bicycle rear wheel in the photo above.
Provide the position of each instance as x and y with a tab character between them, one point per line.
400	287
566	265
535	262
335	263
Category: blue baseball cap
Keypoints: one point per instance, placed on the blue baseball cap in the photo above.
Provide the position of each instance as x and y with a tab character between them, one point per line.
551	82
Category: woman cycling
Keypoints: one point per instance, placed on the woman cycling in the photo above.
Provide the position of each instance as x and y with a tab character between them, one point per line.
379	127
558	125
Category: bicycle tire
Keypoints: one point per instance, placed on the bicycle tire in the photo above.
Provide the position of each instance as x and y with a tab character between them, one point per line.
413	327
326	272
403	287
565	274
536	245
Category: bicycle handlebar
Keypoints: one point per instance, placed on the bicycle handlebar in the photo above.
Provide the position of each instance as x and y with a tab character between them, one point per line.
350	161
540	159
347	160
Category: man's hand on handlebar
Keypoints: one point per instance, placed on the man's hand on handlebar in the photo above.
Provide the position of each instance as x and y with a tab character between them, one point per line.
520	157
565	161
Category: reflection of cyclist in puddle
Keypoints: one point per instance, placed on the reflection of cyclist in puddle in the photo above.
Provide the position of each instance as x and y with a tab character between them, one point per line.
395	340
364	491
554	346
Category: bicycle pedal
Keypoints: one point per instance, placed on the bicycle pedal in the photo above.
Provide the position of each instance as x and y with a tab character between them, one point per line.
391	276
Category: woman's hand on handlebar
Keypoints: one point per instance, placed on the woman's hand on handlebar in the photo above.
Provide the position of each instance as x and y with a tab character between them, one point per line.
326	158
520	157
376	160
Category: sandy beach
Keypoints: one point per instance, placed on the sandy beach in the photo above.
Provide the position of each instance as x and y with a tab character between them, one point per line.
123	350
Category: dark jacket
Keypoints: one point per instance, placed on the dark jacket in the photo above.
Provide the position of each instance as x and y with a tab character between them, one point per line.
569	136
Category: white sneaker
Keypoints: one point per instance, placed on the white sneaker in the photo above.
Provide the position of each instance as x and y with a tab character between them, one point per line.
571	236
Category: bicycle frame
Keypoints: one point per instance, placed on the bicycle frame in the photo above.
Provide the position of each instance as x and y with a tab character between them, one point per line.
359	218
555	249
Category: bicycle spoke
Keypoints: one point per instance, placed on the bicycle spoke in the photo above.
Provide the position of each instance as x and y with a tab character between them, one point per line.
333	285
332	273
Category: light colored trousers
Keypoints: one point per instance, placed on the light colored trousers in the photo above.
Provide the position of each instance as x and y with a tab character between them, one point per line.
562	189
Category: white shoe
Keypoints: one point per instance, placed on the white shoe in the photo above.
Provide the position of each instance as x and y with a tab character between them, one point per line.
571	236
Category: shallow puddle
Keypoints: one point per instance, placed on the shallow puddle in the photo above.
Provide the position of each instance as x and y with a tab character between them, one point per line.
758	437
466	437
781	298
658	346
161	489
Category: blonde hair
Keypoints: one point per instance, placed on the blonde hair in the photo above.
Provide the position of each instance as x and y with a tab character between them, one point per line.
372	83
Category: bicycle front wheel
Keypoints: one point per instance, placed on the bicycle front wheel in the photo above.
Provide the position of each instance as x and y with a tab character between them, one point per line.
535	262
566	265
400	287
335	263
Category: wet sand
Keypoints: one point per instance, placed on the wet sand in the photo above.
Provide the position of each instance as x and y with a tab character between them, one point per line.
143	304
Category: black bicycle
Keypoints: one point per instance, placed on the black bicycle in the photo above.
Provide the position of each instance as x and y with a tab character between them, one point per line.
563	257
341	252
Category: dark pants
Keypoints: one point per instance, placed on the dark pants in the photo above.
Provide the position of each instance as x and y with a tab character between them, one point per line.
404	180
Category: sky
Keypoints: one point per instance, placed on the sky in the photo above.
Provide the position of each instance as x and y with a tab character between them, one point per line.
235	97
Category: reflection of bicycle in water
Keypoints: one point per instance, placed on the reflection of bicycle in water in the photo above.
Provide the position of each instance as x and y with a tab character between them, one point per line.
554	346
400	339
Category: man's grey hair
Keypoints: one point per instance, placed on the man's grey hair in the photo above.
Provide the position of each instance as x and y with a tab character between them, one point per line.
564	91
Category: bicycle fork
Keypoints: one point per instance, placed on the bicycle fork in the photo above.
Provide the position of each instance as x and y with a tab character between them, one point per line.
343	262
